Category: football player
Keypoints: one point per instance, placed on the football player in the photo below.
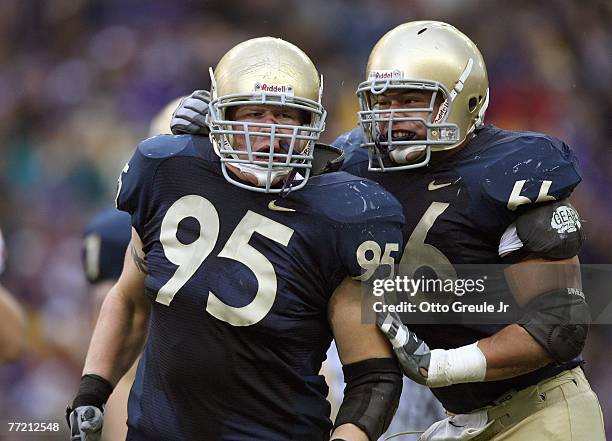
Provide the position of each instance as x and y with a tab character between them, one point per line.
477	194
106	240
12	319
246	252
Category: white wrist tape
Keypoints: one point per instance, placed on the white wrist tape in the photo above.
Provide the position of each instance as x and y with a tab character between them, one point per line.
466	364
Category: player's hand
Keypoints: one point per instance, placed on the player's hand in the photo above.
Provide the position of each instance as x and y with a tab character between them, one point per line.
85	415
85	423
190	115
412	352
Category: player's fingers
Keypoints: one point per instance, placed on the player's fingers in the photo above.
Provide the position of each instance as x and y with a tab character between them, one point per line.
96	436
388	322
91	420
185	127
199	119
196	105
91	426
75	429
183	118
396	317
203	95
193	114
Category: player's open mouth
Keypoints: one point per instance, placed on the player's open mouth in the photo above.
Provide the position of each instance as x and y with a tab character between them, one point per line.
282	148
403	135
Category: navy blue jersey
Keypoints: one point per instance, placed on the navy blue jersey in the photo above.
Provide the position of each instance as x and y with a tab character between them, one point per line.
239	283
462	206
106	238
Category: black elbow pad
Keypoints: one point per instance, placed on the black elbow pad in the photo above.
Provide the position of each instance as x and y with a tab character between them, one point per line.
559	321
371	396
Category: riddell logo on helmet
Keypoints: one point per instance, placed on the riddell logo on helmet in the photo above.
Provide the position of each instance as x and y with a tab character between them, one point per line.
442	111
274	88
385	75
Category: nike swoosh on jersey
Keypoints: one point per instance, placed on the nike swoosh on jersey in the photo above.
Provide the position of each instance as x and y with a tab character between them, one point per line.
272	206
433	186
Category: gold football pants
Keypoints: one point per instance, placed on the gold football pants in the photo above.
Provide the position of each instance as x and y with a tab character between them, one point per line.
560	408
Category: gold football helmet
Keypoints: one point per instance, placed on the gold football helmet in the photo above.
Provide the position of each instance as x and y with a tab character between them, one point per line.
422	56
266	71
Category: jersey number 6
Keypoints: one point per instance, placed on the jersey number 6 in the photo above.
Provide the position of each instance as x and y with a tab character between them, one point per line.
418	253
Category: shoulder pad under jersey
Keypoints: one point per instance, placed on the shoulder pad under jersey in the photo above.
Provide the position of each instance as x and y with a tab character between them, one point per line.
525	168
347	199
136	177
355	155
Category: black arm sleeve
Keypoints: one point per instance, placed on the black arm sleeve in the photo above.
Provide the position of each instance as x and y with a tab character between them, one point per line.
372	392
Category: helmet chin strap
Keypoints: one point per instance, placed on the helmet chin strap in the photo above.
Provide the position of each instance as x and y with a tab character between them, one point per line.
262	174
399	155
287	187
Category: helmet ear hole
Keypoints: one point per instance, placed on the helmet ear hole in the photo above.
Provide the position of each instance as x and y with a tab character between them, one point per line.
473	102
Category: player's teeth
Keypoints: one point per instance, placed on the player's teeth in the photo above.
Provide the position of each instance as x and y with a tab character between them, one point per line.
400	134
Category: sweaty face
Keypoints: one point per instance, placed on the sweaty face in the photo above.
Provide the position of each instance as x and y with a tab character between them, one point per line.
411	103
266	114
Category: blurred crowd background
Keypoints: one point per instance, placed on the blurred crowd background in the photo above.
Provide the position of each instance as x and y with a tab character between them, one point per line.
80	81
